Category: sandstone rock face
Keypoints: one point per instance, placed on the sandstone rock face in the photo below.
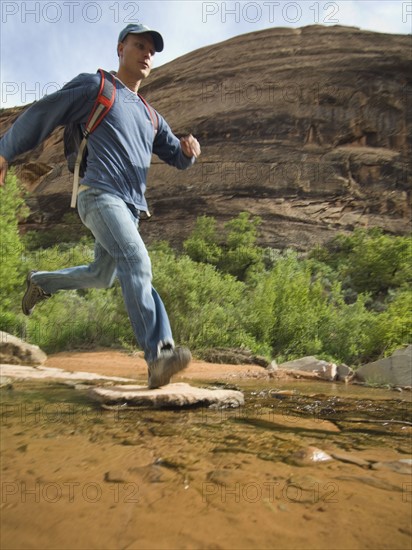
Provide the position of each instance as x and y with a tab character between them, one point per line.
307	128
16	352
172	395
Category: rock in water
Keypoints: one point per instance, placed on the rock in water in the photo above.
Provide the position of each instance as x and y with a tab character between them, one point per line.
323	369
402	466
273	367
351	458
395	370
344	372
309	455
172	395
14	351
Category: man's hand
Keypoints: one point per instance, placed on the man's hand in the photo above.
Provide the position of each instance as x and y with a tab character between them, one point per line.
4	165
190	146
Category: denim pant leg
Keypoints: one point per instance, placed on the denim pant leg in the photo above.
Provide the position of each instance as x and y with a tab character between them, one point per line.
115	229
99	274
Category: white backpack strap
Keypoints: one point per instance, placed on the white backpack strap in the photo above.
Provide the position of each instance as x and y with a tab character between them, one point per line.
77	172
80	153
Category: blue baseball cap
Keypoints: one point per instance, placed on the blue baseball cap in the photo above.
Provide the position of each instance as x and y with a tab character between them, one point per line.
137	28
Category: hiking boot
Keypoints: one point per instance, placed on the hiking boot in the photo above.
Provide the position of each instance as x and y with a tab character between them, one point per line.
33	295
169	362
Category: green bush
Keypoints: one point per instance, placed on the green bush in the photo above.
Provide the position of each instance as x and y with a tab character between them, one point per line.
72	320
237	254
393	327
12	210
205	307
60	256
299	306
76	319
349	301
202	245
346	329
299	309
242	258
369	261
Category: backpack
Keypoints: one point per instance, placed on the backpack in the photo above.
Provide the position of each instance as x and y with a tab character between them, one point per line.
75	139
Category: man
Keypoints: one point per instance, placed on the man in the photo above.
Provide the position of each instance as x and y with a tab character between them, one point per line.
111	195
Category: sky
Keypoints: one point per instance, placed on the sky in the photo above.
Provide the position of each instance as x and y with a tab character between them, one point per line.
45	43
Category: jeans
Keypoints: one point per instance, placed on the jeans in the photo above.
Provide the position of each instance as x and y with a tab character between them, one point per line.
119	250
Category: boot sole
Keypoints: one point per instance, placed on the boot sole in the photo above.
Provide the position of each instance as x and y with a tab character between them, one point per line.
170	369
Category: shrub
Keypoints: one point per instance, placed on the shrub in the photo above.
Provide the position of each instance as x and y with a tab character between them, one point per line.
299	306
72	320
346	329
205	307
237	255
225	292
242	258
369	261
202	245
393	327
12	210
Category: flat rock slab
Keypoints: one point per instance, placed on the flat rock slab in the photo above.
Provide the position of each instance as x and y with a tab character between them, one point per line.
17	352
172	395
21	372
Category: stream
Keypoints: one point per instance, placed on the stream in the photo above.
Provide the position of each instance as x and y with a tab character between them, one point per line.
278	472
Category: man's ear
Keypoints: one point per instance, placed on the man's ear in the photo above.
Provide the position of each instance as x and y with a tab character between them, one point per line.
120	47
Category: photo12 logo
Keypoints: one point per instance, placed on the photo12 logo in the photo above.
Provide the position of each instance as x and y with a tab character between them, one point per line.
406	12
271	12
270	491
68	492
69	12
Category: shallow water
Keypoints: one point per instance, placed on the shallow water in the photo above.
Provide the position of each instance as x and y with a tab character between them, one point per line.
206	478
362	416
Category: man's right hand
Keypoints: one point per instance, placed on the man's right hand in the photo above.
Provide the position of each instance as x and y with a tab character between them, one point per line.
4	165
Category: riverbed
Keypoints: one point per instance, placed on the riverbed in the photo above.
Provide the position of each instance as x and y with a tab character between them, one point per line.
77	476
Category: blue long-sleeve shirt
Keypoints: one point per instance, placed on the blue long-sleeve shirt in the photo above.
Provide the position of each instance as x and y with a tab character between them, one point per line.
119	150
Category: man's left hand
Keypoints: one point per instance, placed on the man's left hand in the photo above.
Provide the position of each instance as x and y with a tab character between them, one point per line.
190	146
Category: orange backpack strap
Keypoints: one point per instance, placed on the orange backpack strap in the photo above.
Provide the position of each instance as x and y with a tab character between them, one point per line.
102	105
104	101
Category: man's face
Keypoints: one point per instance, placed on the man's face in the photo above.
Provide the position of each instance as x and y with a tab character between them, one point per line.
136	54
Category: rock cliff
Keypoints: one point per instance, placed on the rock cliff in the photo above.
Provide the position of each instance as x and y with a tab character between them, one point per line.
308	128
